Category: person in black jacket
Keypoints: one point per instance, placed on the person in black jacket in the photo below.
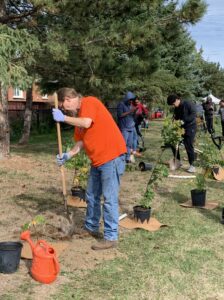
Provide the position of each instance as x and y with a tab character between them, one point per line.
221	113
186	112
209	111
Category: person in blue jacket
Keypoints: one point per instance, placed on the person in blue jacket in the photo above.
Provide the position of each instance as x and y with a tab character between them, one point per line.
126	122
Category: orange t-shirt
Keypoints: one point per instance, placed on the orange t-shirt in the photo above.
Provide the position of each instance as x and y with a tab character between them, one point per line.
103	140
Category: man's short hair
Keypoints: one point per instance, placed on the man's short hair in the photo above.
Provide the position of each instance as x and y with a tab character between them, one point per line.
66	92
209	99
172	98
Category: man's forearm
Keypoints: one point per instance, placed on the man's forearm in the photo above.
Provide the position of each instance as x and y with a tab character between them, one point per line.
128	113
125	114
76	149
79	122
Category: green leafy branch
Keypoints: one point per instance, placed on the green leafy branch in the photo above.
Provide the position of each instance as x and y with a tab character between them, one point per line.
38	220
159	172
172	132
200	182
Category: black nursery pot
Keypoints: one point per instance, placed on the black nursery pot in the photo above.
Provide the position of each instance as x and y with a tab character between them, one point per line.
198	197
141	213
144	166
79	192
141	149
10	253
222	216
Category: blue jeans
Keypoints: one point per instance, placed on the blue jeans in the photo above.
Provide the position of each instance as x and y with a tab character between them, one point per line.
135	140
104	180
128	137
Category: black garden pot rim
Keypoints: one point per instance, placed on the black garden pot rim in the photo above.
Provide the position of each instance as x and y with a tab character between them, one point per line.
141	207
196	191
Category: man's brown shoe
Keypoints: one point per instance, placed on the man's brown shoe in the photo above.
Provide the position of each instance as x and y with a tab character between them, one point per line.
85	233
105	244
138	154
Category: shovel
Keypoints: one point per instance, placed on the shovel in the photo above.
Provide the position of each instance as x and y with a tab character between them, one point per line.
174	163
60	153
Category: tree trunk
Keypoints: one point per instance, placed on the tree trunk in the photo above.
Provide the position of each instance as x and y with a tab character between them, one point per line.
27	118
4	124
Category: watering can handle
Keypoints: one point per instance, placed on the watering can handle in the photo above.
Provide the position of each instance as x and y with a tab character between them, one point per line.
56	264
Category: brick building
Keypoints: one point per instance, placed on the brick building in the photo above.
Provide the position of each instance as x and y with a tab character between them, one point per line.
17	99
41	105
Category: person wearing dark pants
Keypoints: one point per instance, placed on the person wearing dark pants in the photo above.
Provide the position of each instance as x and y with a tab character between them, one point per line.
208	111
126	123
221	113
186	112
189	137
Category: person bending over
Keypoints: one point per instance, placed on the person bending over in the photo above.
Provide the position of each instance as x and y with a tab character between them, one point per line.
96	132
186	112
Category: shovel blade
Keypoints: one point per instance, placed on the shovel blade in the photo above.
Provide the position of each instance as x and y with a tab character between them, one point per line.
174	164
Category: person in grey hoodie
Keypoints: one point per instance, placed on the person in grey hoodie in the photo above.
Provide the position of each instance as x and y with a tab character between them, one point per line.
126	123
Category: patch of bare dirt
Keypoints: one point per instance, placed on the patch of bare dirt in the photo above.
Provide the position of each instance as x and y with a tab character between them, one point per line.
32	186
16	162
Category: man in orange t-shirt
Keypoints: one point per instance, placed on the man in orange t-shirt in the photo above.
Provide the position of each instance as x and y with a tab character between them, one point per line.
98	134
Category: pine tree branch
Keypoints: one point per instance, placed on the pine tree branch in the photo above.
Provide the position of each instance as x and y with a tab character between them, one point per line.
17	18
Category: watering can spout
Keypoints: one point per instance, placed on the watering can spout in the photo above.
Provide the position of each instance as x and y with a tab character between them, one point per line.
25	235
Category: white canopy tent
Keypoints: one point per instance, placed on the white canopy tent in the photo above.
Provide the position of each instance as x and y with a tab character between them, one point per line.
214	99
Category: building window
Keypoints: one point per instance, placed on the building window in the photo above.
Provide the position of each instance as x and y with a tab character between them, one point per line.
17	93
44	96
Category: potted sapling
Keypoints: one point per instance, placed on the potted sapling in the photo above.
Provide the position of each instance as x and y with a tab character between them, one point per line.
198	195
79	183
81	164
142	211
211	159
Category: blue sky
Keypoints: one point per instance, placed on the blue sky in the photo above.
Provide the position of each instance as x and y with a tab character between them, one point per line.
209	32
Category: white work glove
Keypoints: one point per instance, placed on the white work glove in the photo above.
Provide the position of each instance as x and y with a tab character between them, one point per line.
58	116
63	158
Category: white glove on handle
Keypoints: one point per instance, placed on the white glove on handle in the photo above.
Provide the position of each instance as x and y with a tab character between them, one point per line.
63	158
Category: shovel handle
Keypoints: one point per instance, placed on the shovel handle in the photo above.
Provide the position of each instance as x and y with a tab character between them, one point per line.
58	126
60	149
176	151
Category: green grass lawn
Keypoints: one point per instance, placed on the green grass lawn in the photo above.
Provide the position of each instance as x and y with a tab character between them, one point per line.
182	261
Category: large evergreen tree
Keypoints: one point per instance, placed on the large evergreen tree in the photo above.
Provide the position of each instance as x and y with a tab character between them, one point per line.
17	48
214	79
101	47
109	46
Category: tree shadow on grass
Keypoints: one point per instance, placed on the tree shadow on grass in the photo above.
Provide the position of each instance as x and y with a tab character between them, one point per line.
41	149
178	197
214	214
37	204
215	184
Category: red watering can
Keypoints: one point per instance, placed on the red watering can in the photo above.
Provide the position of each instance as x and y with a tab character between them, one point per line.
45	266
